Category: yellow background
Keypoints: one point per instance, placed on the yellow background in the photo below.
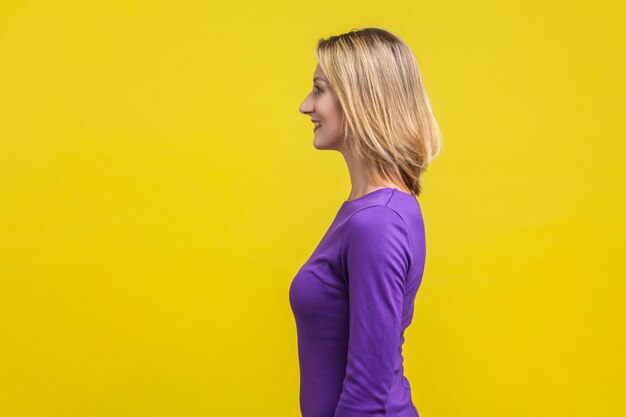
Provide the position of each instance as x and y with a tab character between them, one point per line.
159	190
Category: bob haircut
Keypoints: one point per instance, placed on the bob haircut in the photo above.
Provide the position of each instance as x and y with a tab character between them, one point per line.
387	118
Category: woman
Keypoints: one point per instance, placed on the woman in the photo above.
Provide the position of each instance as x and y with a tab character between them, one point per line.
354	296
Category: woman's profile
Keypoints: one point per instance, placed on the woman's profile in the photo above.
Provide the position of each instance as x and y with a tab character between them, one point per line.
354	297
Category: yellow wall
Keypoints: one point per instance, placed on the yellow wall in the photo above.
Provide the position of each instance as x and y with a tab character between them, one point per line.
159	190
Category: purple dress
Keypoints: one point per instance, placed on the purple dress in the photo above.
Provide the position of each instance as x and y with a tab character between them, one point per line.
352	300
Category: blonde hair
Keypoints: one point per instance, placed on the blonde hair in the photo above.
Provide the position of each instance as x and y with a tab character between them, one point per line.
387	117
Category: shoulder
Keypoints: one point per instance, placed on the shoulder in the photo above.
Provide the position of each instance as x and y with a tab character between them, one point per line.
376	219
377	236
377	224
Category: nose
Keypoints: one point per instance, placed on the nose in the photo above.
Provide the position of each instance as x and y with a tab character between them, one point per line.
306	107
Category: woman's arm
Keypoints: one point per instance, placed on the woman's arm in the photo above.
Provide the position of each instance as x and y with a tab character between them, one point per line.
376	257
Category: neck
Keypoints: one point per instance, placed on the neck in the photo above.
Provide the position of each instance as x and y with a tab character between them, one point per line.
360	180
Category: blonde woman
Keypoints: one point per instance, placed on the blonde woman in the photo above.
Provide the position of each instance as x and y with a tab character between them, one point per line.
354	297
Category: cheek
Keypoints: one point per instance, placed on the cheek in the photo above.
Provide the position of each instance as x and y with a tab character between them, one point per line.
337	119
331	112
336	111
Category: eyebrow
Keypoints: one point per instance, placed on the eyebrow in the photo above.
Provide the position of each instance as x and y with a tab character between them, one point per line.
321	79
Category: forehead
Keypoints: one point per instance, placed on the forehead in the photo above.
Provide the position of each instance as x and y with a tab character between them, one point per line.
319	75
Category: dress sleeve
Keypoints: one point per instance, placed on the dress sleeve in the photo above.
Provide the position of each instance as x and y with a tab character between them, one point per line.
376	257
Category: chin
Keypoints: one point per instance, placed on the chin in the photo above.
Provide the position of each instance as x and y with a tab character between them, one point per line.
321	144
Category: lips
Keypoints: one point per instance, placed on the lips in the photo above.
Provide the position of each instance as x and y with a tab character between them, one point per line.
317	123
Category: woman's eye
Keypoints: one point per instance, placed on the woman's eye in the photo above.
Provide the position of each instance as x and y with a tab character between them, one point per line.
317	89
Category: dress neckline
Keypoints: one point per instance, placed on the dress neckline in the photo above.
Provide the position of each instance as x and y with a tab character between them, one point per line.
372	193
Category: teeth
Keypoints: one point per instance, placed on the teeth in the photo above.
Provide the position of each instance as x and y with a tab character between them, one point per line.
317	124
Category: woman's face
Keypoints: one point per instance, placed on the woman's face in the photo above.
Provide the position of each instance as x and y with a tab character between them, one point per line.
322	105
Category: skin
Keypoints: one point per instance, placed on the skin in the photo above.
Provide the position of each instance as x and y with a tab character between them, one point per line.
323	105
